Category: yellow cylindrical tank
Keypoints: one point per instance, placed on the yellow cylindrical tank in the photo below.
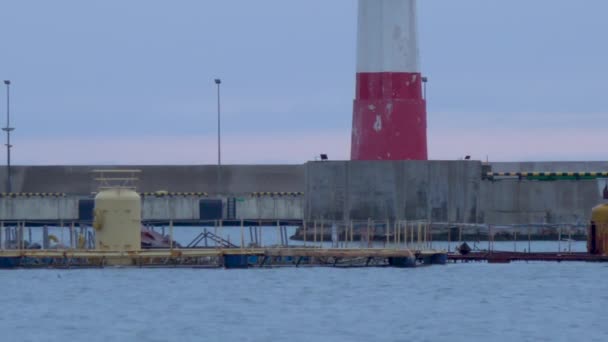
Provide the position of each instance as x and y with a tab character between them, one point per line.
117	220
597	237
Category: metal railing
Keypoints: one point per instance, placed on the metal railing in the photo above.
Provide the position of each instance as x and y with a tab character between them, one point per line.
352	234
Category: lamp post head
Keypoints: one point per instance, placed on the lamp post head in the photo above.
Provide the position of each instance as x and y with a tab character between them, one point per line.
7	82
218	81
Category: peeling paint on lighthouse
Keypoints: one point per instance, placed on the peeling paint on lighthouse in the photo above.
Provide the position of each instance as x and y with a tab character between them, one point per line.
388	77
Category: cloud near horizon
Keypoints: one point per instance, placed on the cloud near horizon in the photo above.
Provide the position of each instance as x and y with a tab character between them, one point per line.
536	139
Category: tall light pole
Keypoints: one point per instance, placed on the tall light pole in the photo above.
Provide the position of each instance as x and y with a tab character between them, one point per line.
219	137
8	130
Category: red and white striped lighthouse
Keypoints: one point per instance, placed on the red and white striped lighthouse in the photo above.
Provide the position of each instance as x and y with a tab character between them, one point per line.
389	117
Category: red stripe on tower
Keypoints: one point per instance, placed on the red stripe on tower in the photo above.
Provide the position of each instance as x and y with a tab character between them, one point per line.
389	117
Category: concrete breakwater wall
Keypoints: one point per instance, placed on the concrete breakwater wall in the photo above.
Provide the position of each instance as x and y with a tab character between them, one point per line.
412	190
235	179
179	208
441	191
435	191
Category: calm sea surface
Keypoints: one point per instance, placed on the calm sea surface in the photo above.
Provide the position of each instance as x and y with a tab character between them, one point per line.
462	302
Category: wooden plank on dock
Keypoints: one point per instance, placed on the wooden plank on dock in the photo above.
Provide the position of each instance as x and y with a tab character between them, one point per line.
211	252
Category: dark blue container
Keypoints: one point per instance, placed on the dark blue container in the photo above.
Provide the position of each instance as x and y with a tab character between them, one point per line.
210	209
236	261
9	262
85	209
439	259
402	262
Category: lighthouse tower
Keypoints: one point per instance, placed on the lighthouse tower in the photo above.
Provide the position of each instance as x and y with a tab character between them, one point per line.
389	117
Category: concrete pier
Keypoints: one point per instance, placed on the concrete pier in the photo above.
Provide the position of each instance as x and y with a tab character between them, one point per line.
436	191
216	257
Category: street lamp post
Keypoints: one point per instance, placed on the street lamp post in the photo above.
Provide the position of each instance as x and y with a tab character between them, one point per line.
218	82
8	130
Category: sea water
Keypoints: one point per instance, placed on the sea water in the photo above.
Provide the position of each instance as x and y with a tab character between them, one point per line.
456	302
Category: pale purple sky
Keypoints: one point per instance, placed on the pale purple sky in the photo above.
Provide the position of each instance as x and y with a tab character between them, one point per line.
132	82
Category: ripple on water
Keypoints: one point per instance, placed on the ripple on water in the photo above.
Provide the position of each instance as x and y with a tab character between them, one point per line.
519	301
